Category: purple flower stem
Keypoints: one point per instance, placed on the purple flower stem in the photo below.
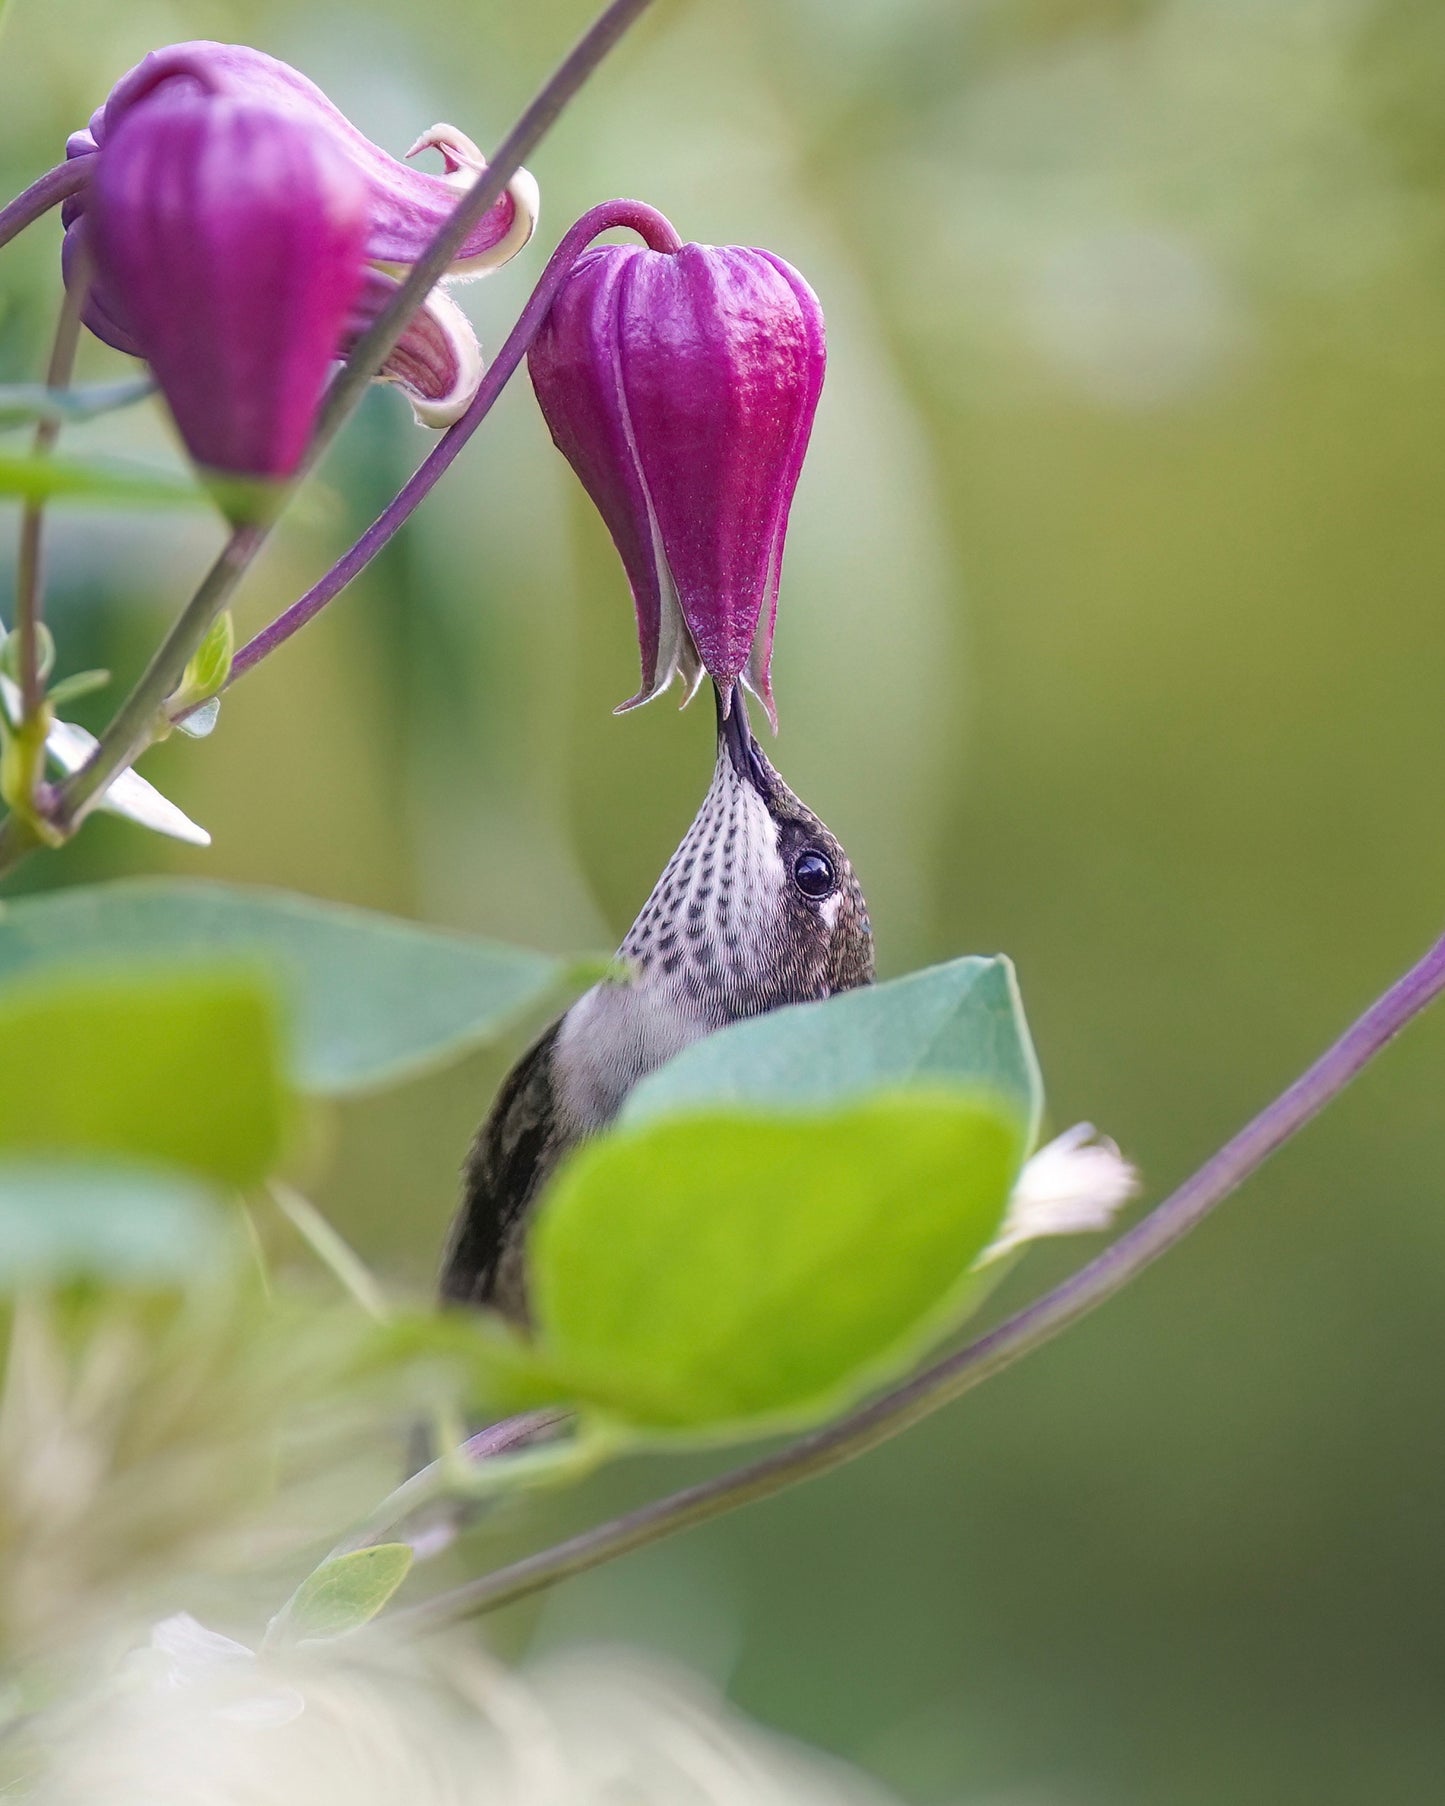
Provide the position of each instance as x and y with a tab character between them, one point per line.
431	1485
633	216
883	1417
47	191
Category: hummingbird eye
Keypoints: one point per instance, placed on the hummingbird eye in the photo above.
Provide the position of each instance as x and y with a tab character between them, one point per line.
813	873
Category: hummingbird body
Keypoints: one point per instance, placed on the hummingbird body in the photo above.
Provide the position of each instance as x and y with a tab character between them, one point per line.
757	908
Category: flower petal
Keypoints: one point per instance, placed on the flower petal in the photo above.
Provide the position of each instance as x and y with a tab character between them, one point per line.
228	246
1073	1185
681	386
577	378
437	361
408	207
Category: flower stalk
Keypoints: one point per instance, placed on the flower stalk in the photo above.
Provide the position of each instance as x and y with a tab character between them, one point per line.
949	1378
654	230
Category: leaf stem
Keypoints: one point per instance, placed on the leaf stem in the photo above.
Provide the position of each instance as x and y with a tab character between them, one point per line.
947	1379
29	581
134	727
609	216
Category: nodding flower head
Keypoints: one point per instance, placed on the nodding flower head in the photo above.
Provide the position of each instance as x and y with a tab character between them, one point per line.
240	234
681	387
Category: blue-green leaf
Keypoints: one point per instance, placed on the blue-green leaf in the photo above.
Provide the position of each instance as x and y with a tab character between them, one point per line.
64	1220
959	1023
368	998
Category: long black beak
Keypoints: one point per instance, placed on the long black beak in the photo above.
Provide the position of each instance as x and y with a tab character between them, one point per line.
736	734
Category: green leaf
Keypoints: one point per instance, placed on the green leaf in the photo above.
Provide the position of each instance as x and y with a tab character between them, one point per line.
209	666
180	1068
64	1220
368	999
46	479
723	1270
22	403
960	1023
342	1594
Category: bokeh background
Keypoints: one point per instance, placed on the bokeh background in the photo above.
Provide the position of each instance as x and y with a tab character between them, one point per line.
1111	636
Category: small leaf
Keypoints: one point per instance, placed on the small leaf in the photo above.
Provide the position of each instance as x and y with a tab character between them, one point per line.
369	999
65	1220
209	666
22	403
960	1023
342	1594
180	1068
45	479
717	1270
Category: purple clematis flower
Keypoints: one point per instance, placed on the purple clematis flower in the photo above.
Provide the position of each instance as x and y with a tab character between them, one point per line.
240	234
681	387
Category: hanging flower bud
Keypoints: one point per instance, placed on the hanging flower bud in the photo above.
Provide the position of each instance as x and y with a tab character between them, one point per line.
224	189
681	387
228	242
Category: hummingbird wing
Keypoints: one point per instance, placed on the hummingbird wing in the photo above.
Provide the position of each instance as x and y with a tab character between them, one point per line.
514	1151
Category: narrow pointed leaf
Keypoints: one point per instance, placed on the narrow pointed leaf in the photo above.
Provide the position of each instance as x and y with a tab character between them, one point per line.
342	1594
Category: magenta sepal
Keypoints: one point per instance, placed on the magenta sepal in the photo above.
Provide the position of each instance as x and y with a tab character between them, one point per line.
681	387
158	253
228	243
408	207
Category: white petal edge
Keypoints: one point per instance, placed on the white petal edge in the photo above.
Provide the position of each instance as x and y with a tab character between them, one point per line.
446	410
129	795
1075	1185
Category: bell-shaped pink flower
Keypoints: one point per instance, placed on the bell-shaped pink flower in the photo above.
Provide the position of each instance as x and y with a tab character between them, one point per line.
229	248
193	116
681	387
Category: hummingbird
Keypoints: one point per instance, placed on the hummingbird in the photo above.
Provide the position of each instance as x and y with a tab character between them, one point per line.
758	907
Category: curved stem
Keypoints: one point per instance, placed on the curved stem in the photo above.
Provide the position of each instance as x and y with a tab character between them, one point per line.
49	190
536	120
947	1379
609	216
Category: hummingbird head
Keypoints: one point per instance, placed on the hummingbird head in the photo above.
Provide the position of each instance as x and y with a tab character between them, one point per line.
759	906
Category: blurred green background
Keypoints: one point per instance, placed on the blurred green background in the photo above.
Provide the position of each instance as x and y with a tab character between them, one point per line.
1111	636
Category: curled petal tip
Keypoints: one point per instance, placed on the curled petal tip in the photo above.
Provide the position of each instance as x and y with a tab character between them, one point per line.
462	161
